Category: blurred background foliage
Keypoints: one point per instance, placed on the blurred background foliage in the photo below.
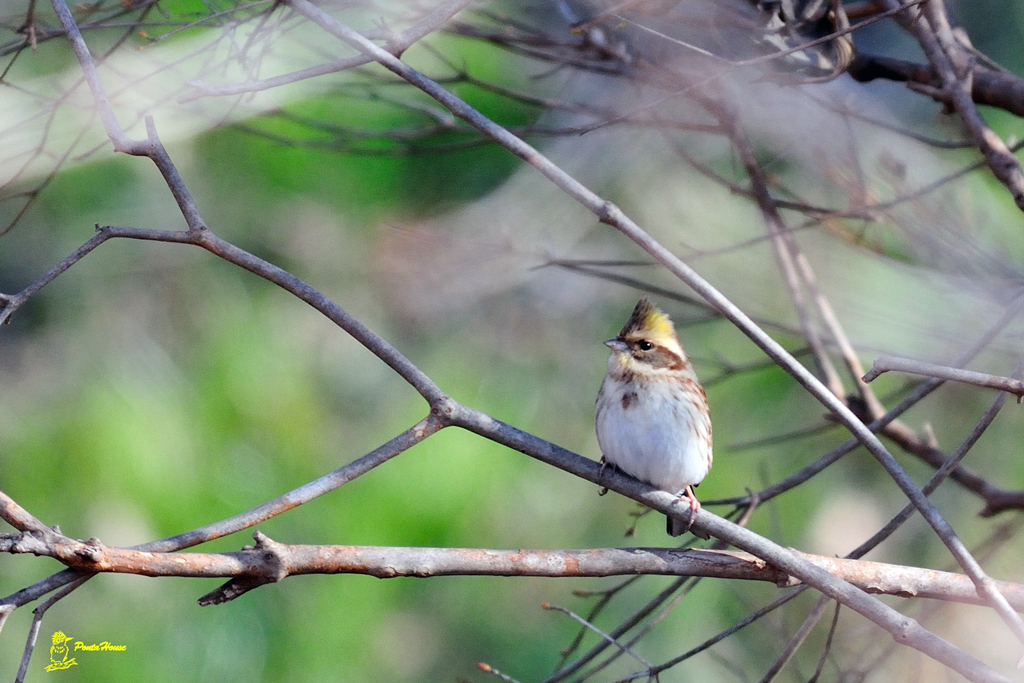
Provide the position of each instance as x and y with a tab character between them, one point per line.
153	389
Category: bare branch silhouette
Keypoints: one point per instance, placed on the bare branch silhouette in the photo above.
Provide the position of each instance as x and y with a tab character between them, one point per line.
745	97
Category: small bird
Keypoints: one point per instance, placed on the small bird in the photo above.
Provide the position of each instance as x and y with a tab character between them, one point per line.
653	420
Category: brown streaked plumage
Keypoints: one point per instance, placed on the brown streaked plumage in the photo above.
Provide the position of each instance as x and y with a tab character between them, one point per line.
653	420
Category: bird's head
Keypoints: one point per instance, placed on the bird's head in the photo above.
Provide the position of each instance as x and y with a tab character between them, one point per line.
648	341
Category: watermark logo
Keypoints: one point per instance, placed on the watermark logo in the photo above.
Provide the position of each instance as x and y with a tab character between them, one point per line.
59	652
62	648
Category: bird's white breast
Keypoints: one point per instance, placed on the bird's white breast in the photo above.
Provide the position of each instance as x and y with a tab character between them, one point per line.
647	430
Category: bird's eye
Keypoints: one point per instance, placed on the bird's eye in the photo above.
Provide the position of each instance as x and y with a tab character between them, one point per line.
645	345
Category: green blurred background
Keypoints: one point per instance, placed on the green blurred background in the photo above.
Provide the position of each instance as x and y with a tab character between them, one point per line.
153	389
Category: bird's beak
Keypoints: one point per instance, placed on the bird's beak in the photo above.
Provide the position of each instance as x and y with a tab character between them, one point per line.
616	344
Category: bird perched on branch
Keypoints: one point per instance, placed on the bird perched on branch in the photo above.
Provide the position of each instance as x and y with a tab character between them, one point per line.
653	420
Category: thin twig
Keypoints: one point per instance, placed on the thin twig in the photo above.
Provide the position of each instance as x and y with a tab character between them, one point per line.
825	651
918	394
676	600
797	640
783	247
943	472
955	71
396	43
621	629
609	213
37	620
604	636
239	522
981	379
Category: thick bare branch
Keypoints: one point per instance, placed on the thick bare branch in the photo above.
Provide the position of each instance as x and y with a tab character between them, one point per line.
608	213
15	515
903	629
270	561
988	87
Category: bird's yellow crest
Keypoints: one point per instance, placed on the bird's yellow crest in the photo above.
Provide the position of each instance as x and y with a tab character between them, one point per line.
649	322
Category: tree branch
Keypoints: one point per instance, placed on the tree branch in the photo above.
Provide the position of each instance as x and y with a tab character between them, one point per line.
980	379
269	561
609	213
